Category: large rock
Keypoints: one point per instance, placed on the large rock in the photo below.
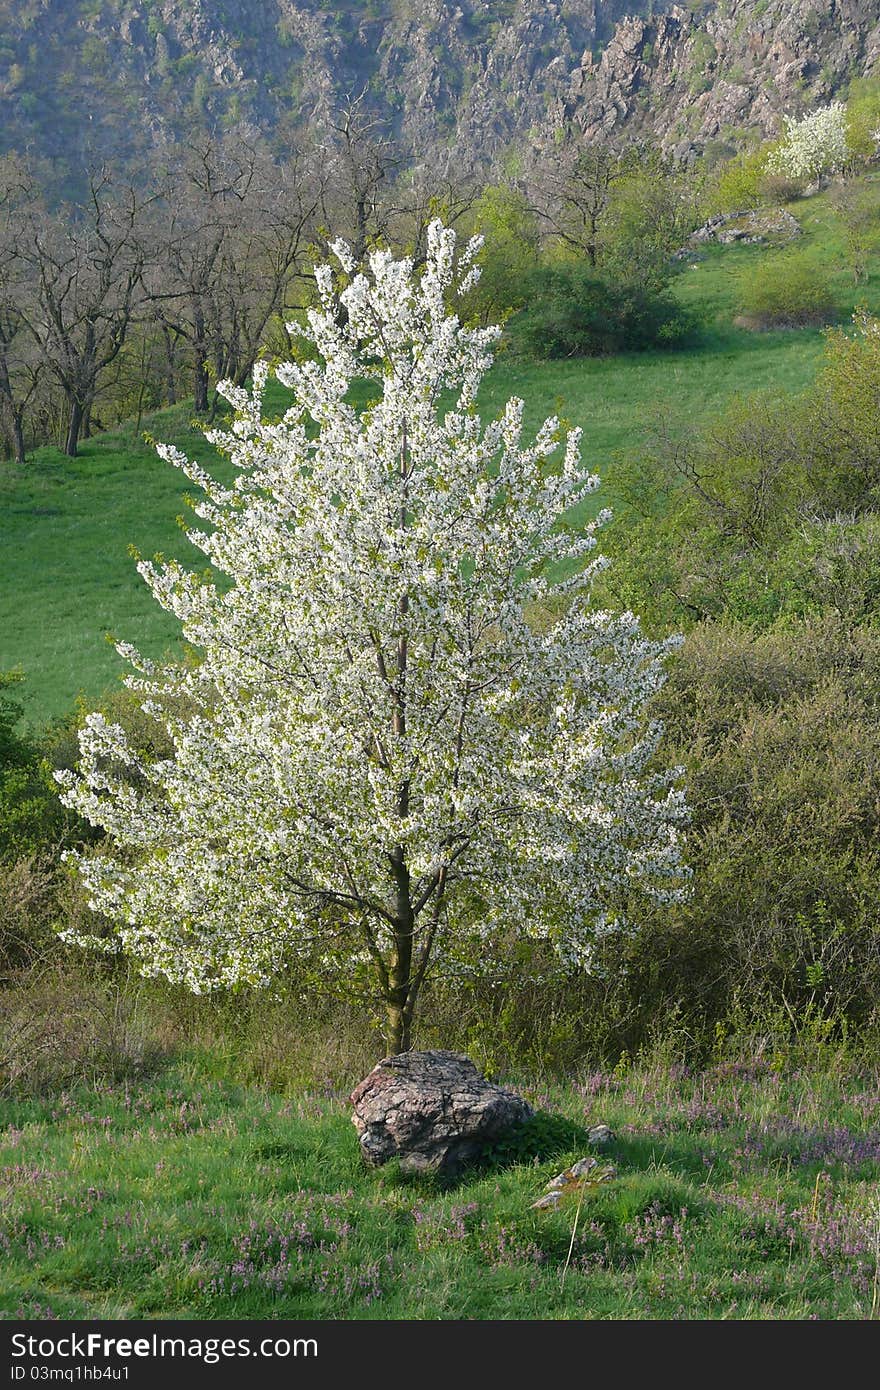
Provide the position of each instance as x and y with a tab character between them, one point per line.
432	1111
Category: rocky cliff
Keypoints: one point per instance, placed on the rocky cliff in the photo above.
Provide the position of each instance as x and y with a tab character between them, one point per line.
86	77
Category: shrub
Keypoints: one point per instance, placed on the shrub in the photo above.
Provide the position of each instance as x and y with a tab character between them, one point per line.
779	734
27	910
62	1026
789	291
863	118
779	189
698	517
845	419
32	821
575	312
509	226
739	183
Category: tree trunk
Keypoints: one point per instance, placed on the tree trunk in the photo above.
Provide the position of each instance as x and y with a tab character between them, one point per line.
169	369
200	384
74	425
18	440
400	974
200	355
397	1031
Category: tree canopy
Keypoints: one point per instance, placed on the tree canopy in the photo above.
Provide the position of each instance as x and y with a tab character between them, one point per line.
381	758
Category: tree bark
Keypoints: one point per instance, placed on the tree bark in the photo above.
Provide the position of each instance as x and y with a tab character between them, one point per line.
169	368
200	390
398	1037
400	973
74	425
200	370
18	441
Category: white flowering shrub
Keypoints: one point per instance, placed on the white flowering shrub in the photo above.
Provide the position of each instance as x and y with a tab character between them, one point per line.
817	144
379	761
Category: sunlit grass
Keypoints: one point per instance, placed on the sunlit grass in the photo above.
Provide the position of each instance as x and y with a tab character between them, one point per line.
741	1192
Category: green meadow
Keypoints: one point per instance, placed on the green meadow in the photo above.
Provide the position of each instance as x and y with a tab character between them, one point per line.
741	1192
68	579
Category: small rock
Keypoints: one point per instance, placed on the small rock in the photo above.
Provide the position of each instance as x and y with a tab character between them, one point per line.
581	1169
584	1175
550	1199
600	1134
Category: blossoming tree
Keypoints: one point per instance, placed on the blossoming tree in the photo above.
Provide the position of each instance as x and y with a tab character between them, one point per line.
380	759
815	145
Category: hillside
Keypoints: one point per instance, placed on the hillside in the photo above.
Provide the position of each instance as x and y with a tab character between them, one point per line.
68	523
87	79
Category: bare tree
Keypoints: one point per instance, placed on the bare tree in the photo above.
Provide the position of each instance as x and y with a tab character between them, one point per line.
415	200
231	230
571	191
361	161
261	255
21	362
87	270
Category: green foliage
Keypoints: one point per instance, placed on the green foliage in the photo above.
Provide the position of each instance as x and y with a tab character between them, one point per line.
31	820
844	419
94	55
542	1136
791	291
778	735
855	204
863	117
703	56
768	512
573	311
651	212
740	181
503	217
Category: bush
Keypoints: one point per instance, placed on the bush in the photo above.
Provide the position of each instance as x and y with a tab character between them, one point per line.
61	1025
28	907
32	819
788	291
573	311
778	732
771	511
863	118
779	189
510	251
700	517
845	418
739	182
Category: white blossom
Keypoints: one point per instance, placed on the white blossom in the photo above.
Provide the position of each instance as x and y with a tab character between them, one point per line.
382	753
812	146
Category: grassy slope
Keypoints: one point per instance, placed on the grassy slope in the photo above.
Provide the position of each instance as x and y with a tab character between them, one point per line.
740	1193
66	578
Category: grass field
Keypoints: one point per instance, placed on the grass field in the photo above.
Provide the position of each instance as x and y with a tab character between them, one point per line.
68	579
740	1192
65	526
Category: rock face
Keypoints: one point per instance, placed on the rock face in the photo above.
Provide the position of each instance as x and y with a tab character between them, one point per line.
696	75
456	80
432	1111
